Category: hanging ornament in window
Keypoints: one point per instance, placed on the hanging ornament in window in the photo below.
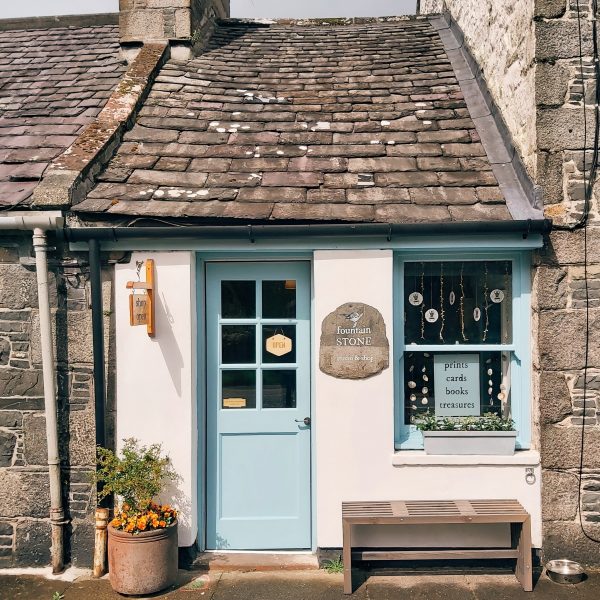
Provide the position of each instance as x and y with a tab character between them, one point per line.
422	303
489	371
452	298
476	310
413	398
424	400
425	391
431	315
506	284
442	312
497	296
415	298
412	385
487	303
425	378
462	303
501	396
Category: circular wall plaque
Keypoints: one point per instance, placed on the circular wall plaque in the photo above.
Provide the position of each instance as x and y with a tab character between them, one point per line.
354	343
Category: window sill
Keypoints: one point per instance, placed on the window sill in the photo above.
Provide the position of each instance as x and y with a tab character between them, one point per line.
418	458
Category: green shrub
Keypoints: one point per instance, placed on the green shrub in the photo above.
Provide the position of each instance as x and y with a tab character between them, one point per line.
487	422
137	476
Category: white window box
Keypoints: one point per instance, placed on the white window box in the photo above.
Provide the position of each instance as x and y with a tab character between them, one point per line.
470	442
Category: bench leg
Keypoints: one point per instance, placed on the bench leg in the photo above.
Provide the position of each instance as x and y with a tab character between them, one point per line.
524	570
347	556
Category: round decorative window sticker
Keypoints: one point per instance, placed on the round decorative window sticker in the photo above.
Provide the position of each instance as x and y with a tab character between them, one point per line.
415	298
431	315
497	296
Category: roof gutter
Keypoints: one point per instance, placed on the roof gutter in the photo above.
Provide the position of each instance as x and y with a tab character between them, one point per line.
253	232
29	221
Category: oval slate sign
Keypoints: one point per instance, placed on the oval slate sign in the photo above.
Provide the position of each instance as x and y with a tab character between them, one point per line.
354	344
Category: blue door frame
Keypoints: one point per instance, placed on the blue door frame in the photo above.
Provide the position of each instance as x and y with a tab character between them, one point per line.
258	475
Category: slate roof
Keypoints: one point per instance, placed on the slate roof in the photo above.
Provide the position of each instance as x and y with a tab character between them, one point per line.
53	82
362	122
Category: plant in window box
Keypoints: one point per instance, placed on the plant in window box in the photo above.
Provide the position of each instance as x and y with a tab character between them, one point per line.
142	536
488	434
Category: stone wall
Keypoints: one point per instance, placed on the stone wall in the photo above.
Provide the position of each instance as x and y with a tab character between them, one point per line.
24	486
500	36
162	20
560	287
430	7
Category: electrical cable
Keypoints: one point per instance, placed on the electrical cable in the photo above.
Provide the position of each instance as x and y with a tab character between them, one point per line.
582	223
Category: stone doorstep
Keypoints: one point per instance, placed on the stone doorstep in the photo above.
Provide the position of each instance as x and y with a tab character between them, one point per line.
255	561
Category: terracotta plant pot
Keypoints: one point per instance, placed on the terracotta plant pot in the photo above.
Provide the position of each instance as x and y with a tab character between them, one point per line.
142	563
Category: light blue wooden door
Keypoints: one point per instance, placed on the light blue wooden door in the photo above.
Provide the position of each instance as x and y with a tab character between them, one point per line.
258	395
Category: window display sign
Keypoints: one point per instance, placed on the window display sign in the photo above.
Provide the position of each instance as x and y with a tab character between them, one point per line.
456	385
354	344
278	345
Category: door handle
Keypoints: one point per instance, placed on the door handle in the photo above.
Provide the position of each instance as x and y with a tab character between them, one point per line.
306	421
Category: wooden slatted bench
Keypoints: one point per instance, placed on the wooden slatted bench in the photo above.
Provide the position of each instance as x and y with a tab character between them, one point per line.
433	512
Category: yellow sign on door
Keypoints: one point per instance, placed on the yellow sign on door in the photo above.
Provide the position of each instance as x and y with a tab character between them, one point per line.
278	345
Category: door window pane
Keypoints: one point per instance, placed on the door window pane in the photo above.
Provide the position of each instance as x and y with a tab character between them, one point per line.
238	299
458	302
279	299
279	389
238	344
238	389
449	384
278	350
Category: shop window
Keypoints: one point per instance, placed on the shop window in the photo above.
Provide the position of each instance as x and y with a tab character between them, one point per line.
461	351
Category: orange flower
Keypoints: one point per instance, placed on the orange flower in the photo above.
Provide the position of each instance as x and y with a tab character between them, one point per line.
162	523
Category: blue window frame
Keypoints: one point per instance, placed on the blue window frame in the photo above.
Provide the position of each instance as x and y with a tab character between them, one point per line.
515	346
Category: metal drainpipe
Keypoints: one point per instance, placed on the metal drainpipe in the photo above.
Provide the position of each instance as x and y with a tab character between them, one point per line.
97	340
57	515
102	511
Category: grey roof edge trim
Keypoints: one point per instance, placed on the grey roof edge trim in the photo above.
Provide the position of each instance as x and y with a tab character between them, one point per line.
251	232
55	22
523	196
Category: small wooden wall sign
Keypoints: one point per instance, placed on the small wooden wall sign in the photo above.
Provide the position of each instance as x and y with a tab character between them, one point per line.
141	306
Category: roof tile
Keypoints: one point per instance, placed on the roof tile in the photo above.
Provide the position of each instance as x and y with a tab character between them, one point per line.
362	122
53	82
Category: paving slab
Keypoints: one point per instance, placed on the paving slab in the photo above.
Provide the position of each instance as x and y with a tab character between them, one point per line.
284	586
309	585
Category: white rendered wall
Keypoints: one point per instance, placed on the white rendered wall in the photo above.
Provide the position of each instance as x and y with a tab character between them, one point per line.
156	389
354	431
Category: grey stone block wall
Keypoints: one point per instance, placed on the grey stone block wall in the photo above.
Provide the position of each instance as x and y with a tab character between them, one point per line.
559	288
162	20
24	485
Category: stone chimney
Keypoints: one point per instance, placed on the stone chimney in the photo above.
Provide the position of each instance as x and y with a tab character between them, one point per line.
182	22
